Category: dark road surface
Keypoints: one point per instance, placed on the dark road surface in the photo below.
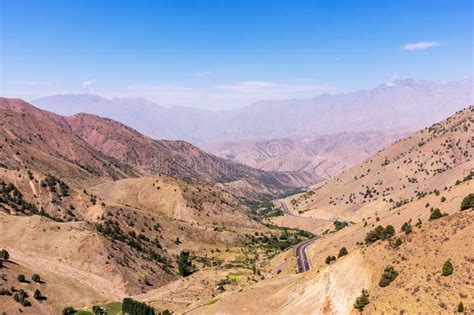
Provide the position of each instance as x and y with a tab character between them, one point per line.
303	263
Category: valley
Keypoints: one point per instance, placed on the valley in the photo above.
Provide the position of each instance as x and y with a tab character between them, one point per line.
93	212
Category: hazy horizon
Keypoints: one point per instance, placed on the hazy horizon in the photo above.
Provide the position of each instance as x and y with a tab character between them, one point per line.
212	55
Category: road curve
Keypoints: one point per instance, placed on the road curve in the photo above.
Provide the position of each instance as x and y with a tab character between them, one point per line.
303	263
291	214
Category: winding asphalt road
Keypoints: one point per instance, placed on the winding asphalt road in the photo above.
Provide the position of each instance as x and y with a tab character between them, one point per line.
303	263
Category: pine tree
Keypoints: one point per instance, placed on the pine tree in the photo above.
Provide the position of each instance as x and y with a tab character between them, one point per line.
362	300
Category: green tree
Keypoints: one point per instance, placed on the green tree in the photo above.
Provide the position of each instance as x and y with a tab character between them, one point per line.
132	307
21	278
389	274
37	295
36	278
185	264
406	227
4	254
435	214
362	300
96	309
467	202
342	252
388	232
69	310
447	268
460	307
330	259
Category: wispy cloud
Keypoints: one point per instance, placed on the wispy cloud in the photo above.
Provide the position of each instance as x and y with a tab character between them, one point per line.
420	45
205	73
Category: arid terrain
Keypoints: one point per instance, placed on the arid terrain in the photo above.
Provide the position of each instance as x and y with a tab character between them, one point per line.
428	230
101	213
236	157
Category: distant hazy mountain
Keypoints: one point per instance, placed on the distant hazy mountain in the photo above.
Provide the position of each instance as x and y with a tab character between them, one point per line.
401	103
323	156
176	123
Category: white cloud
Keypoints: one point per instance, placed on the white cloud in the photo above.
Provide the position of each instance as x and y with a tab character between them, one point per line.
88	84
420	45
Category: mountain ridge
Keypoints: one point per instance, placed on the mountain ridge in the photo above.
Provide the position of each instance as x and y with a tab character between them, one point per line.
416	103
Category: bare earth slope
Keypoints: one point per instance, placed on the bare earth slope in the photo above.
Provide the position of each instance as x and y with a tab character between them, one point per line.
424	163
176	158
104	147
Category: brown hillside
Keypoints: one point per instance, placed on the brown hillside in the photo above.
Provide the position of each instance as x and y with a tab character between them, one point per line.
425	163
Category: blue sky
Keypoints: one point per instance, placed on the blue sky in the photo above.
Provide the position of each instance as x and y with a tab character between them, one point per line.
223	54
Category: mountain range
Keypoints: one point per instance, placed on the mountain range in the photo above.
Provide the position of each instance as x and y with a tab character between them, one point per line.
101	212
400	103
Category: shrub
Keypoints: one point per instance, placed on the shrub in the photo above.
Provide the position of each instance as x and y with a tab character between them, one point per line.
460	308
467	202
342	252
338	225
20	297
447	268
379	233
388	275
443	199
96	309
21	278
36	278
398	242
389	232
406	227
436	214
362	300
69	310
330	259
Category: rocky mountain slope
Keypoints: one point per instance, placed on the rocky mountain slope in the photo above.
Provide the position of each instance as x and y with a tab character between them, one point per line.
104	147
423	164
